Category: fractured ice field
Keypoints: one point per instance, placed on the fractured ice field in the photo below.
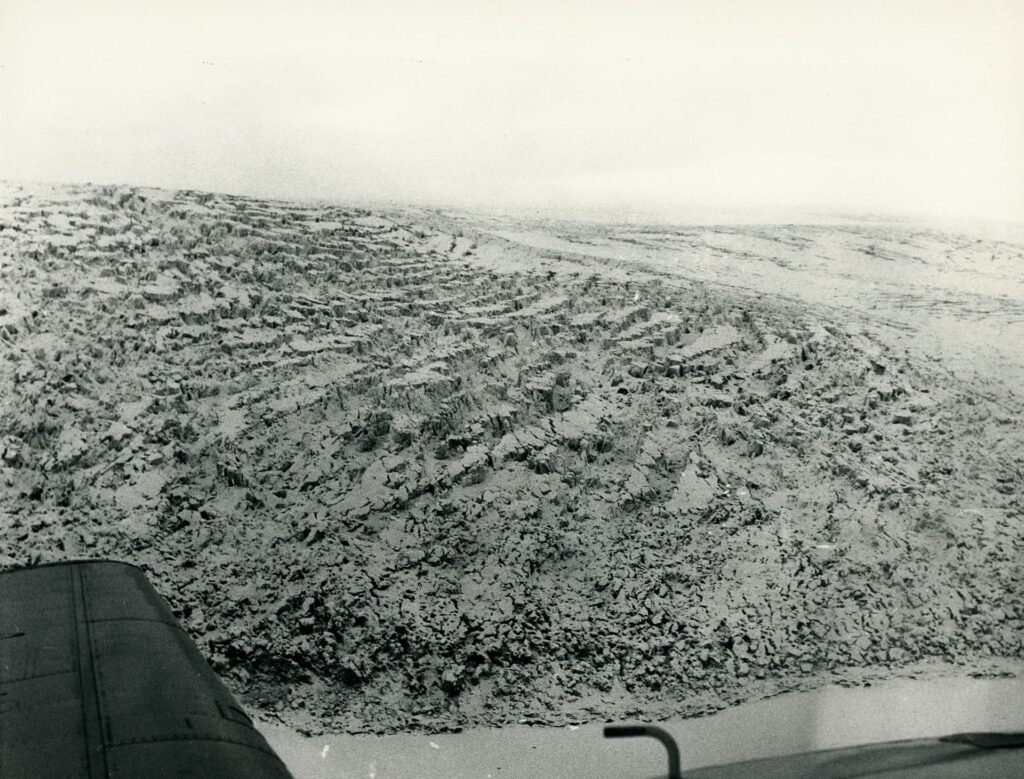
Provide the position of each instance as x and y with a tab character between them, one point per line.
415	470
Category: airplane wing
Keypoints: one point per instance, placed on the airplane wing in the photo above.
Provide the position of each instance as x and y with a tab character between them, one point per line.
98	680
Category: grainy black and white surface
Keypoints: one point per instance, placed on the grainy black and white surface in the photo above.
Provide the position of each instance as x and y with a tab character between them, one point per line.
412	470
474	374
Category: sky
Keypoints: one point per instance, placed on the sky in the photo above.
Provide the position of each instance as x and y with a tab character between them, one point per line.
895	107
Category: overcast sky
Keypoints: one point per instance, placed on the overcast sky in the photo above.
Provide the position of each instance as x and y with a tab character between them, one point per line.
626	106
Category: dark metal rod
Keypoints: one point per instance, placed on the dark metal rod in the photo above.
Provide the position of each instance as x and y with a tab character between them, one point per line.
629	731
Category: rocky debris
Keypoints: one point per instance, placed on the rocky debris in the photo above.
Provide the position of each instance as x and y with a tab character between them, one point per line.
410	487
